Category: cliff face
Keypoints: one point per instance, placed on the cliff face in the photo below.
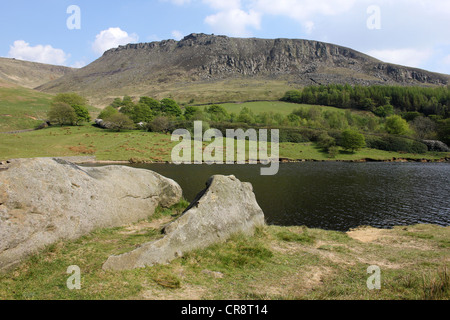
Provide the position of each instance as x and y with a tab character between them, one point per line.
200	57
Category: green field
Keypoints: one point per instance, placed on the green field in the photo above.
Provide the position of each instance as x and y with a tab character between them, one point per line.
281	107
22	108
147	146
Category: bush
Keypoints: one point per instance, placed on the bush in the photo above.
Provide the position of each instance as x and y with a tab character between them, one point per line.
325	142
62	114
292	96
82	114
352	140
159	124
396	125
396	144
170	108
107	112
118	122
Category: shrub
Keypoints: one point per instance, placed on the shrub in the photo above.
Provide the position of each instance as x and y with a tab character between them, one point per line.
396	125
62	114
118	122
107	112
159	124
396	144
352	140
325	142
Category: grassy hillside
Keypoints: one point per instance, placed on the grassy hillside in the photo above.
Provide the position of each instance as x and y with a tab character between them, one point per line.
21	108
281	107
287	263
30	74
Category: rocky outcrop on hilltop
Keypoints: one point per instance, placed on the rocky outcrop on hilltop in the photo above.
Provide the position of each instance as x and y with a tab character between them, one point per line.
46	200
200	57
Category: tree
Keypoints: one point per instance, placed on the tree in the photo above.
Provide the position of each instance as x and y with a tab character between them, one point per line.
77	102
71	98
190	112
292	96
444	131
425	128
62	114
118	122
154	104
217	113
107	112
159	124
170	108
246	116
384	111
117	103
141	113
127	101
352	140
82	114
396	125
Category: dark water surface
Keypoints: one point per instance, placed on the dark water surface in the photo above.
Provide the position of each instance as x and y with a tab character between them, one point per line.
335	195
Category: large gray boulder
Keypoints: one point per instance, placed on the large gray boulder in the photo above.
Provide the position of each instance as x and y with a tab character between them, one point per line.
435	145
45	200
227	206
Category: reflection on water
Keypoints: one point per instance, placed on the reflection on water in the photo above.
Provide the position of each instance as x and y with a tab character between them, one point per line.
335	195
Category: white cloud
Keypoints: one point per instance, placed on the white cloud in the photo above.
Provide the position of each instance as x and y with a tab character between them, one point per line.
178	2
177	35
407	57
303	10
78	64
234	22
40	53
223	5
112	38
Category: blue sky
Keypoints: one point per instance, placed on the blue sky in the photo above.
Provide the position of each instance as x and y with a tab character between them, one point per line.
409	32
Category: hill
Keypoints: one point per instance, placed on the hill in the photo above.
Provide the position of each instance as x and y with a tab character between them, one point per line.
209	68
21	108
30	74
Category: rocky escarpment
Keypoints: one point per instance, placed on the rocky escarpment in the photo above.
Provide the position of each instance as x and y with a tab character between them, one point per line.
47	200
201	57
227	206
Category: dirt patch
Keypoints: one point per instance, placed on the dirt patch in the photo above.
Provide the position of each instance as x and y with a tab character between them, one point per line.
190	292
367	234
293	285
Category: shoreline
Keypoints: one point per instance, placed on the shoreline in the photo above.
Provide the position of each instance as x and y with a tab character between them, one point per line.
80	160
281	160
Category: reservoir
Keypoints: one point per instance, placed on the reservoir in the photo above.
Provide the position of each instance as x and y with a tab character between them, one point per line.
334	195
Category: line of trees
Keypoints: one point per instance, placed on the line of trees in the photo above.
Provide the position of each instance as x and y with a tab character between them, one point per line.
381	100
392	131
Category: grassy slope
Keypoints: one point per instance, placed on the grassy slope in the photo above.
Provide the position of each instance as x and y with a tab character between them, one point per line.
106	145
276	263
283	108
21	108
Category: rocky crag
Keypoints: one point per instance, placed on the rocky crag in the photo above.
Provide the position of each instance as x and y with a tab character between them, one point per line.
145	68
